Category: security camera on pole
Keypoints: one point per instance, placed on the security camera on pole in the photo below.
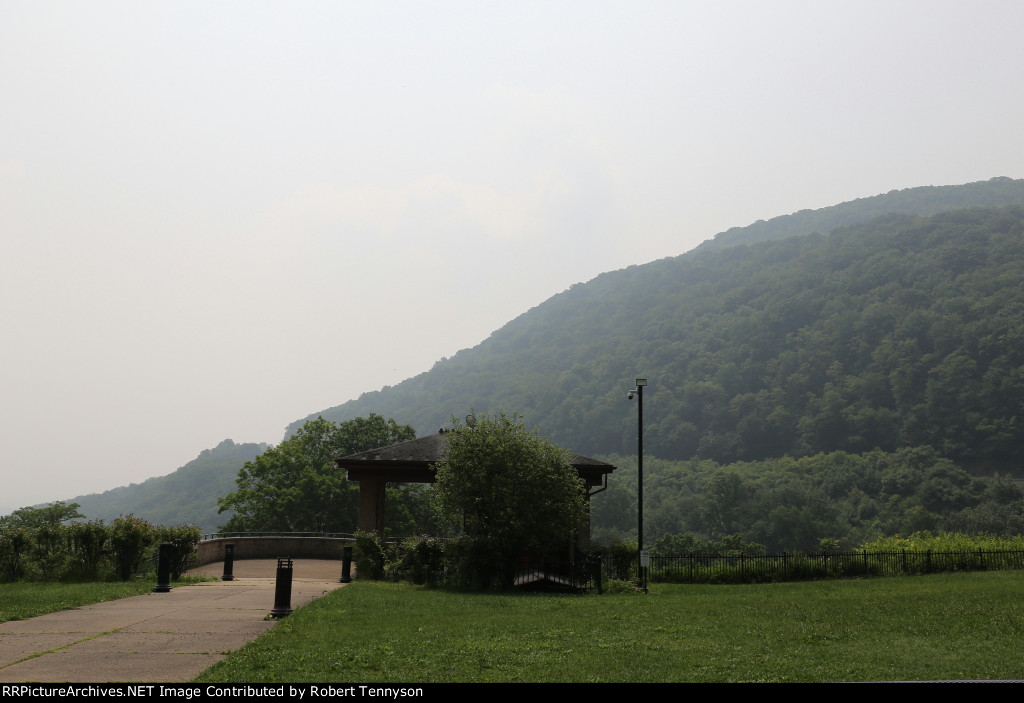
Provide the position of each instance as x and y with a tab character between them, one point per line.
643	557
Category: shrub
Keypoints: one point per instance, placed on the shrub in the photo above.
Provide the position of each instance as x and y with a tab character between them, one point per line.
130	539
421	560
370	556
89	541
183	540
513	491
50	550
15	548
620	556
469	563
619	586
944	542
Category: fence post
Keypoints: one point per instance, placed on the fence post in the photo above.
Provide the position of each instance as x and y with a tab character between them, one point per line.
283	588
229	563
346	565
163	569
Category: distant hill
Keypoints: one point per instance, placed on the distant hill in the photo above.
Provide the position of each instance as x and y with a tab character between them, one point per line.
925	200
188	495
885	321
895	331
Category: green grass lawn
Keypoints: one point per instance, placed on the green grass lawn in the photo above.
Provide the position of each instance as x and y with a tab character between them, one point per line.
27	599
952	626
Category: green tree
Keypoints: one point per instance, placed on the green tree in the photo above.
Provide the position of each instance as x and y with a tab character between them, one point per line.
513	492
33	518
296	487
15	551
130	540
88	546
183	540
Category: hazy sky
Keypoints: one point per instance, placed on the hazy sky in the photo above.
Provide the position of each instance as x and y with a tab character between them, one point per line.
218	217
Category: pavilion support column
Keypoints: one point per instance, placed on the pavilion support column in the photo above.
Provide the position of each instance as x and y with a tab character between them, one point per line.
371	505
583	530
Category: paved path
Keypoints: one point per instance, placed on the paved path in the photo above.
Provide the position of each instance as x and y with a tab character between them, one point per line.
161	637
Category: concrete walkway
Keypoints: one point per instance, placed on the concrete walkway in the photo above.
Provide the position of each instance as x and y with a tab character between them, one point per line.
162	637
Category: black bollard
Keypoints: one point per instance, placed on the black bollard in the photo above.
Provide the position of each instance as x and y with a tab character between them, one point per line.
229	563
163	569
283	589
346	565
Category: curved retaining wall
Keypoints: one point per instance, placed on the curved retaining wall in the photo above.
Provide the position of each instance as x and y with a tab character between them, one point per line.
212	550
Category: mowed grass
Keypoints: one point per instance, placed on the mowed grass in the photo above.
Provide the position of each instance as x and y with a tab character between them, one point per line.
27	599
941	627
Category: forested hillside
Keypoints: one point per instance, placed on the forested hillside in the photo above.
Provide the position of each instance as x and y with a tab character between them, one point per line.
793	503
900	331
830	373
925	200
188	495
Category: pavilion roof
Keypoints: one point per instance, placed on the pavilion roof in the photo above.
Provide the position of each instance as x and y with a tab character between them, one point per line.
430	449
410	461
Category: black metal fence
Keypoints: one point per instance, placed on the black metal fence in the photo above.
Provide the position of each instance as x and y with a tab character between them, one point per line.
756	568
550	576
588	574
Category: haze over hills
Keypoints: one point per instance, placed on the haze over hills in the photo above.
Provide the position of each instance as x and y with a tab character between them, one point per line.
923	200
883	322
187	495
865	338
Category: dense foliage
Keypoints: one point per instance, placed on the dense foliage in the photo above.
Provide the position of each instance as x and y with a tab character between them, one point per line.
34	517
296	487
925	200
946	542
511	491
187	495
795	503
839	337
902	331
35	544
686	559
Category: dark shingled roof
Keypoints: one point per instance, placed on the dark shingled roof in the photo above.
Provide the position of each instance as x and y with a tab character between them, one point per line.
431	449
410	461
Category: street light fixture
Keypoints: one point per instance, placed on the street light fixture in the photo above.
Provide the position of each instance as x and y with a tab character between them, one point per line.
638	391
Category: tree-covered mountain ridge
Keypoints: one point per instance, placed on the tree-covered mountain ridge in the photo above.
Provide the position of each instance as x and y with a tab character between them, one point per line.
899	331
740	339
187	495
923	200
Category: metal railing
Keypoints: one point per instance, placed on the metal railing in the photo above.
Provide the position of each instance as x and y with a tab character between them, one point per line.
234	535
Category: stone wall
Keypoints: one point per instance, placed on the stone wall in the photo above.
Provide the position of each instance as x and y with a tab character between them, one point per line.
212	550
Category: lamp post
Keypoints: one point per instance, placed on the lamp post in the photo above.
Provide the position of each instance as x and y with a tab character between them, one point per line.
638	391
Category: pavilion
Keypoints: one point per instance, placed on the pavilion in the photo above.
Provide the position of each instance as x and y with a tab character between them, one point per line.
412	462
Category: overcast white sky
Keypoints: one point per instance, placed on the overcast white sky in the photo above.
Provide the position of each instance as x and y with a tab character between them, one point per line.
217	217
